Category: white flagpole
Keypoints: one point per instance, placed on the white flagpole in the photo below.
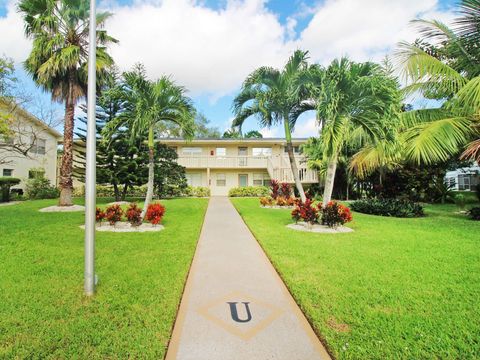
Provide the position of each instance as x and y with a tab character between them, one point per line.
90	178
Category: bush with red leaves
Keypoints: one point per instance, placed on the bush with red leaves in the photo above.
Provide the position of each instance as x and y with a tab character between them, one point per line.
113	214
155	213
335	214
274	189
134	214
305	211
99	215
286	190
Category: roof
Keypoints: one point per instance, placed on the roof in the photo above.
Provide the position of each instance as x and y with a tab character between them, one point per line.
231	141
31	117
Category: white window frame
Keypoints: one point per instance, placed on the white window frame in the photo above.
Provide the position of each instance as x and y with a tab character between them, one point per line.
221	179
261	179
221	152
39	146
192	151
262	151
11	172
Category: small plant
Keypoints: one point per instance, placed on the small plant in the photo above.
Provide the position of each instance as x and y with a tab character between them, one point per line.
460	201
335	214
291	201
113	214
474	213
266	201
134	215
305	211
155	213
274	189
281	201
249	191
40	188
286	190
99	215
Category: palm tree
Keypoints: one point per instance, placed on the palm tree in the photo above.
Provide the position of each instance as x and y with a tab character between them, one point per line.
354	103
269	94
151	103
449	72
58	62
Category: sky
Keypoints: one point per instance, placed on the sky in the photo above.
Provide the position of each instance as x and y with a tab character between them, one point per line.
210	46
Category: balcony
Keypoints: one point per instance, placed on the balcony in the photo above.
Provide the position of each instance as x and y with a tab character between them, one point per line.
223	162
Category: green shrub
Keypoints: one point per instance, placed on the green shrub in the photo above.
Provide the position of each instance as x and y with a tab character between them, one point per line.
197	191
474	213
247	191
388	207
477	191
40	188
5	184
460	201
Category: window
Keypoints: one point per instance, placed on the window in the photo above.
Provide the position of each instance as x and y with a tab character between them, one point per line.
191	150
266	151
39	146
7	172
463	182
194	179
221	152
221	180
261	179
296	149
36	174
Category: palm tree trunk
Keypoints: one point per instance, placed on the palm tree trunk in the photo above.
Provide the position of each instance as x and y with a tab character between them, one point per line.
293	163
66	169
151	172
330	180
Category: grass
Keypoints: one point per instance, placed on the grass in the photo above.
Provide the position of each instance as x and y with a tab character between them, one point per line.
393	289
43	313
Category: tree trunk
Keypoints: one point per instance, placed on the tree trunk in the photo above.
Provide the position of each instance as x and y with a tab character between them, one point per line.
124	193
151	173
293	163
66	169
330	180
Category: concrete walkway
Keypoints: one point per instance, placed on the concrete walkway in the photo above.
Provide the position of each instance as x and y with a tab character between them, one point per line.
235	306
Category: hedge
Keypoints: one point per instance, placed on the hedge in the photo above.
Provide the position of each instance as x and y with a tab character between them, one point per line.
388	207
141	191
249	191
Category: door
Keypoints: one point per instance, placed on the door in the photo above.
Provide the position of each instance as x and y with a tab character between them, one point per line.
242	180
242	156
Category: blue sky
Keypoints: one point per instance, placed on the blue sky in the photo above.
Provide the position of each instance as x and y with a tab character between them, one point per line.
210	46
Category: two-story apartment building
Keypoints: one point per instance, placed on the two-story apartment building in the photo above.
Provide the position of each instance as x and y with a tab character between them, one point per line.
222	164
36	145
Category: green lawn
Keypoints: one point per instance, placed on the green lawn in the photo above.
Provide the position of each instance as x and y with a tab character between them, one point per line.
393	289
43	313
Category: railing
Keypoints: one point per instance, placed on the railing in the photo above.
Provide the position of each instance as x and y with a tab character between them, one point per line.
278	166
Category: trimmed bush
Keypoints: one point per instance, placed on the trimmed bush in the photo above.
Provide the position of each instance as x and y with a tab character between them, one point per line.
249	191
40	188
134	215
99	215
113	214
197	191
388	207
5	184
474	213
305	211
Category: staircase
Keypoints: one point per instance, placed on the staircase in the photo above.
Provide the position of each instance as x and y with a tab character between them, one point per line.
279	169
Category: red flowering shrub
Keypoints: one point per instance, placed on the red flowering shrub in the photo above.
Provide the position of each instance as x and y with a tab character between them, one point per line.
99	215
155	213
286	190
305	211
275	189
134	215
113	214
266	201
335	214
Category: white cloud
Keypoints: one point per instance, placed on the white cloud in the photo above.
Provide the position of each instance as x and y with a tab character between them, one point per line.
306	127
12	40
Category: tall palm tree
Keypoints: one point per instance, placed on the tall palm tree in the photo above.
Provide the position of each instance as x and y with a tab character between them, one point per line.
269	94
450	72
353	102
150	103
58	62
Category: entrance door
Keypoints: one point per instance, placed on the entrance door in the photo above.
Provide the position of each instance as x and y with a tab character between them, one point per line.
242	180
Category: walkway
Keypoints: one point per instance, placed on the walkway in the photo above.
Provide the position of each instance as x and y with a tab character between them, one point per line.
235	306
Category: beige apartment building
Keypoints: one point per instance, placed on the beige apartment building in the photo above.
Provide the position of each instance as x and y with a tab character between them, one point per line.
221	164
32	136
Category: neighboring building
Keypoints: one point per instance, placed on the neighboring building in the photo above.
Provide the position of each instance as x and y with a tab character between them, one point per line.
463	179
34	138
222	164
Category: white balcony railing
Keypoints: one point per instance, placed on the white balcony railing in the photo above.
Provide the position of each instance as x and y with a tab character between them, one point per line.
278	166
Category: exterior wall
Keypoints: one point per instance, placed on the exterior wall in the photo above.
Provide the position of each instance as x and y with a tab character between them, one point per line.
24	128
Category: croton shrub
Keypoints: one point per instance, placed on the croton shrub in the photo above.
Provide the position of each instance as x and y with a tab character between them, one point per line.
100	215
333	215
155	212
113	214
134	215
